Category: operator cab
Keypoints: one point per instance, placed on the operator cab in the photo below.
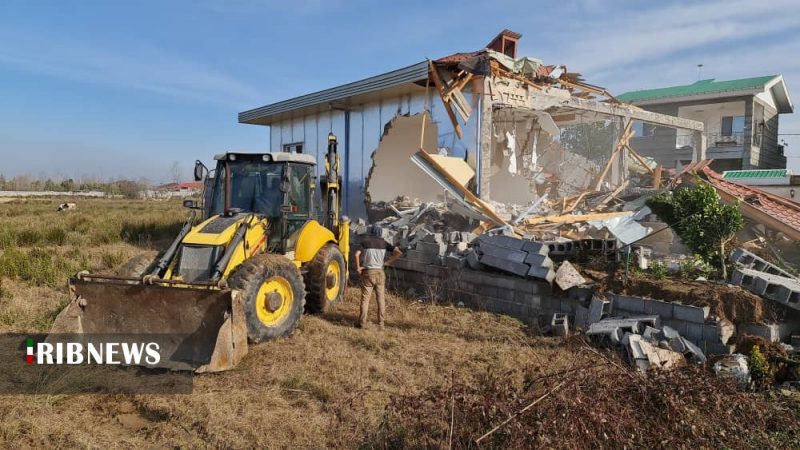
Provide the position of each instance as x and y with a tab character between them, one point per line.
276	185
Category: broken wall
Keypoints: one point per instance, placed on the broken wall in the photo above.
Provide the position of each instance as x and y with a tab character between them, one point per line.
392	173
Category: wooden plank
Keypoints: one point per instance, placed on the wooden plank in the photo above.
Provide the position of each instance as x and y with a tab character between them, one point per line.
575	203
468	195
627	132
437	82
657	176
573	218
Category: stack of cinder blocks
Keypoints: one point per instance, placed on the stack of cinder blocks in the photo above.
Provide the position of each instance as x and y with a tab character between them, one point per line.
765	279
517	256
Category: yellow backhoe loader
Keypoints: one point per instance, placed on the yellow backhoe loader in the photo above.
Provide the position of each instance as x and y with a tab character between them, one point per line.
245	270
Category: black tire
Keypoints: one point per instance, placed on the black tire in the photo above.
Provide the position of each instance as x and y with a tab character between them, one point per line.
278	271
137	266
318	298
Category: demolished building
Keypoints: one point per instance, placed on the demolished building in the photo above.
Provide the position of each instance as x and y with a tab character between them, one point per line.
496	173
504	115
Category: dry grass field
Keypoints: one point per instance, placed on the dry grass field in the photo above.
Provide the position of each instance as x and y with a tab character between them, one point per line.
437	376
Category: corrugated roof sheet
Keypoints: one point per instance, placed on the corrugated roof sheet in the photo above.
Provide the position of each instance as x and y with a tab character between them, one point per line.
700	87
410	74
760	173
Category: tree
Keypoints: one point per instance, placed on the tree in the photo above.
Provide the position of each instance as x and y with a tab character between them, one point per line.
703	222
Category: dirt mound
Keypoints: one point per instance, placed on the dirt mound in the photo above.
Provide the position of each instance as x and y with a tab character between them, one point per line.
726	302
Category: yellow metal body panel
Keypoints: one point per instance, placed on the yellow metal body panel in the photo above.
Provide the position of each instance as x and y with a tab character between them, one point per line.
344	240
312	237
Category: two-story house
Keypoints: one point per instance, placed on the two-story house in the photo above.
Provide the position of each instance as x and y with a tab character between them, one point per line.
740	118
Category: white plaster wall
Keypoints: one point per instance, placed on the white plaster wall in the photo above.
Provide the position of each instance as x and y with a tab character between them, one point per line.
711	114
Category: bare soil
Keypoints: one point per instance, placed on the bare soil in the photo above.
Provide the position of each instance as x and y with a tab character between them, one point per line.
727	302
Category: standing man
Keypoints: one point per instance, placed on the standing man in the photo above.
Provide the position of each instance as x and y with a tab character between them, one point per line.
374	249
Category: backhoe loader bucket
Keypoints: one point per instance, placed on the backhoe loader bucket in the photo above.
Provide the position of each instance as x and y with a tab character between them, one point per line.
198	326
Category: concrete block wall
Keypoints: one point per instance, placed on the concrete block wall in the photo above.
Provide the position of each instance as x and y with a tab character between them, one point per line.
533	302
528	300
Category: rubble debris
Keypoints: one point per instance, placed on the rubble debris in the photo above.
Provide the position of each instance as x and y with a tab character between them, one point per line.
748	260
734	366
459	192
567	276
785	291
648	344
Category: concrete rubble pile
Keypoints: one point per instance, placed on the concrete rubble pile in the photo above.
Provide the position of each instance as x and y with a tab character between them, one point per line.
647	342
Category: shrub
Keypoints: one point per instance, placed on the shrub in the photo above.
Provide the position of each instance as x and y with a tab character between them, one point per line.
703	222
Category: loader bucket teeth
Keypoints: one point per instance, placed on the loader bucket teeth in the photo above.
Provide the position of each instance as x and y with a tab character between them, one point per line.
198	328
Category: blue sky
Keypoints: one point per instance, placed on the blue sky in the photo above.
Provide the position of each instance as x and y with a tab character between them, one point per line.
123	89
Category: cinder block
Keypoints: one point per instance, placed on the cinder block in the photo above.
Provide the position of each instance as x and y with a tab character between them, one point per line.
581	293
560	324
535	248
410	264
455	262
473	260
716	348
536	259
581	316
431	248
505	265
770	332
746	259
628	303
517	256
745	278
500	281
500	241
533	302
719	333
688	313
659	308
597	308
416	255
542	273
694	332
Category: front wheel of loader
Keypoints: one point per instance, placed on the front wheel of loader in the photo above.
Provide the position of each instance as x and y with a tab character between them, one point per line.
274	296
138	266
326	279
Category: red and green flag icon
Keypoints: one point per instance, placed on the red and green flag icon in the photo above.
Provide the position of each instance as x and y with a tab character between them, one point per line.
29	350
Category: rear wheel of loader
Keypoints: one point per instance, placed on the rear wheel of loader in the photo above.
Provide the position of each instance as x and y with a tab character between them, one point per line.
137	266
326	279
274	296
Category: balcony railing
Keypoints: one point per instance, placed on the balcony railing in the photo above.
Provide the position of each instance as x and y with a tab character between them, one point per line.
735	139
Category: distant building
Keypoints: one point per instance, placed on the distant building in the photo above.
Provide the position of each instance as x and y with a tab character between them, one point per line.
776	181
740	117
170	190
